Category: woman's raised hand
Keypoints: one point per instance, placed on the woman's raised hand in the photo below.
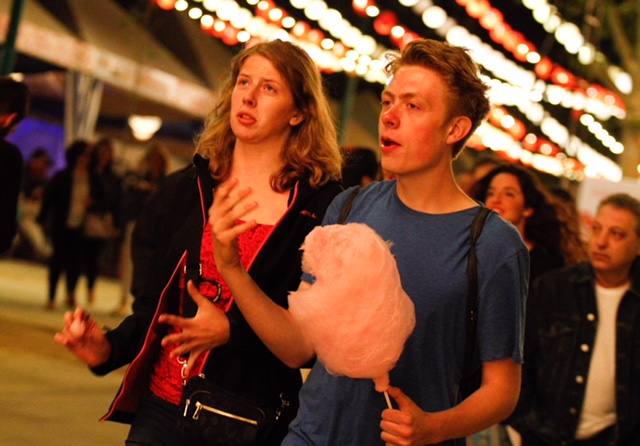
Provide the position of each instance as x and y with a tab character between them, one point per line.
230	205
84	338
208	329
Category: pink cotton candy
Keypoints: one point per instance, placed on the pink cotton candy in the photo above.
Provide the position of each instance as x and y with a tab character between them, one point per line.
356	314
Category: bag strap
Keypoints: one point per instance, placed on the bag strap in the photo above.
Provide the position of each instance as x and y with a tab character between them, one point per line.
347	205
471	344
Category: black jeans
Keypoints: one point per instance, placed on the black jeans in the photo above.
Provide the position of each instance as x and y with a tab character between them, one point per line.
155	424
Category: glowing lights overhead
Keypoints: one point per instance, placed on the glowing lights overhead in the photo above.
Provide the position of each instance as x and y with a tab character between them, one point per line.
337	45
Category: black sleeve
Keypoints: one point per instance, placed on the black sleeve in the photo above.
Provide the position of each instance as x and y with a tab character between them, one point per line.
147	251
9	190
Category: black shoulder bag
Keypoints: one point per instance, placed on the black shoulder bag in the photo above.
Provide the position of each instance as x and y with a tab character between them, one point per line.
214	416
472	370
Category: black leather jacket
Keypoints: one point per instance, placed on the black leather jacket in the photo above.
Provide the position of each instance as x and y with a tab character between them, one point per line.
562	319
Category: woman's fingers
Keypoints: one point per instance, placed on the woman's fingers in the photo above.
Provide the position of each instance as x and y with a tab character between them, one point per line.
172	319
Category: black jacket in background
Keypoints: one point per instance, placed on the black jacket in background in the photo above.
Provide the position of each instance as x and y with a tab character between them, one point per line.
562	318
10	184
169	230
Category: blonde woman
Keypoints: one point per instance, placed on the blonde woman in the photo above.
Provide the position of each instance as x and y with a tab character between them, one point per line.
271	133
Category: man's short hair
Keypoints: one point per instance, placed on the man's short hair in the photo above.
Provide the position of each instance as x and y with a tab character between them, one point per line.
14	97
459	72
626	202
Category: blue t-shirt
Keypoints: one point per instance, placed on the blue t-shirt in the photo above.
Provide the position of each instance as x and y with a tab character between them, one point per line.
431	252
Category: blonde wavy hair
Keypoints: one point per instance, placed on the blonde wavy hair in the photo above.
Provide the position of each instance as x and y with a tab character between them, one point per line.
312	149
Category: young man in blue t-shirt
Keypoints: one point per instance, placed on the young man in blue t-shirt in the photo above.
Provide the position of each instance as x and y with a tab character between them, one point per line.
433	103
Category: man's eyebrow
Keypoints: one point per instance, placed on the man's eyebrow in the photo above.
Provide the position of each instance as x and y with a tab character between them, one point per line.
407	95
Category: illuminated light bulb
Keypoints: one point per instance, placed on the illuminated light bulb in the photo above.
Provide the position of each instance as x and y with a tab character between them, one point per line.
256	26
408	3
276	14
434	17
522	48
181	5
533	57
327	43
552	23
586	54
264	5
586	119
617	149
252	2
352	37
491	19
348	65
144	127
167	5
360	4
477	8
507	121
240	18
300	4
397	31
225	11
219	26
195	13
541	13
300	29
211	5
366	45
372	11
315	9
546	149
361	69
330	19
288	22
530	139
457	36
206	21
621	79
243	36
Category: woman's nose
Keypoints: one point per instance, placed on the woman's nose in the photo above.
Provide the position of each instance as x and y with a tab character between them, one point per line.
249	98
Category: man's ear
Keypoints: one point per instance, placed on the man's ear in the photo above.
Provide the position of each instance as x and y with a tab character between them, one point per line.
459	128
296	119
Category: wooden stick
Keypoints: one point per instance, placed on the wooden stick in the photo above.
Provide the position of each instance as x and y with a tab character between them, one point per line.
387	399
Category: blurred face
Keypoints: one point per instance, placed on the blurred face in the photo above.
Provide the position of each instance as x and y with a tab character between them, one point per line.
505	196
416	133
39	168
614	243
262	105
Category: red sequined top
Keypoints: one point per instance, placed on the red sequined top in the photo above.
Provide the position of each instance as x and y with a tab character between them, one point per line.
166	380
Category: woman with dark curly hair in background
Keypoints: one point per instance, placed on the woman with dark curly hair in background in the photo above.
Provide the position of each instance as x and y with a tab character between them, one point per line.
519	197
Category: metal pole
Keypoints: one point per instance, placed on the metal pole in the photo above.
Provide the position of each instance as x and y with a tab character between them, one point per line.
9	51
347	105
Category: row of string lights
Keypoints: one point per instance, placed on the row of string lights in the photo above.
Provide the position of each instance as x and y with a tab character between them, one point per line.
338	46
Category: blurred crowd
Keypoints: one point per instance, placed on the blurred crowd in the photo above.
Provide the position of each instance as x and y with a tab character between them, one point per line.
79	219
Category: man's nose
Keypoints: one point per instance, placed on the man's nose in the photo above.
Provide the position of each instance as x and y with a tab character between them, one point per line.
390	118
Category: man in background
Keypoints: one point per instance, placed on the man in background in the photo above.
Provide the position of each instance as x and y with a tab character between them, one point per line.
13	107
582	345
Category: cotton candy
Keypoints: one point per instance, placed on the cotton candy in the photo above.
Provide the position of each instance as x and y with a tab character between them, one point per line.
355	314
